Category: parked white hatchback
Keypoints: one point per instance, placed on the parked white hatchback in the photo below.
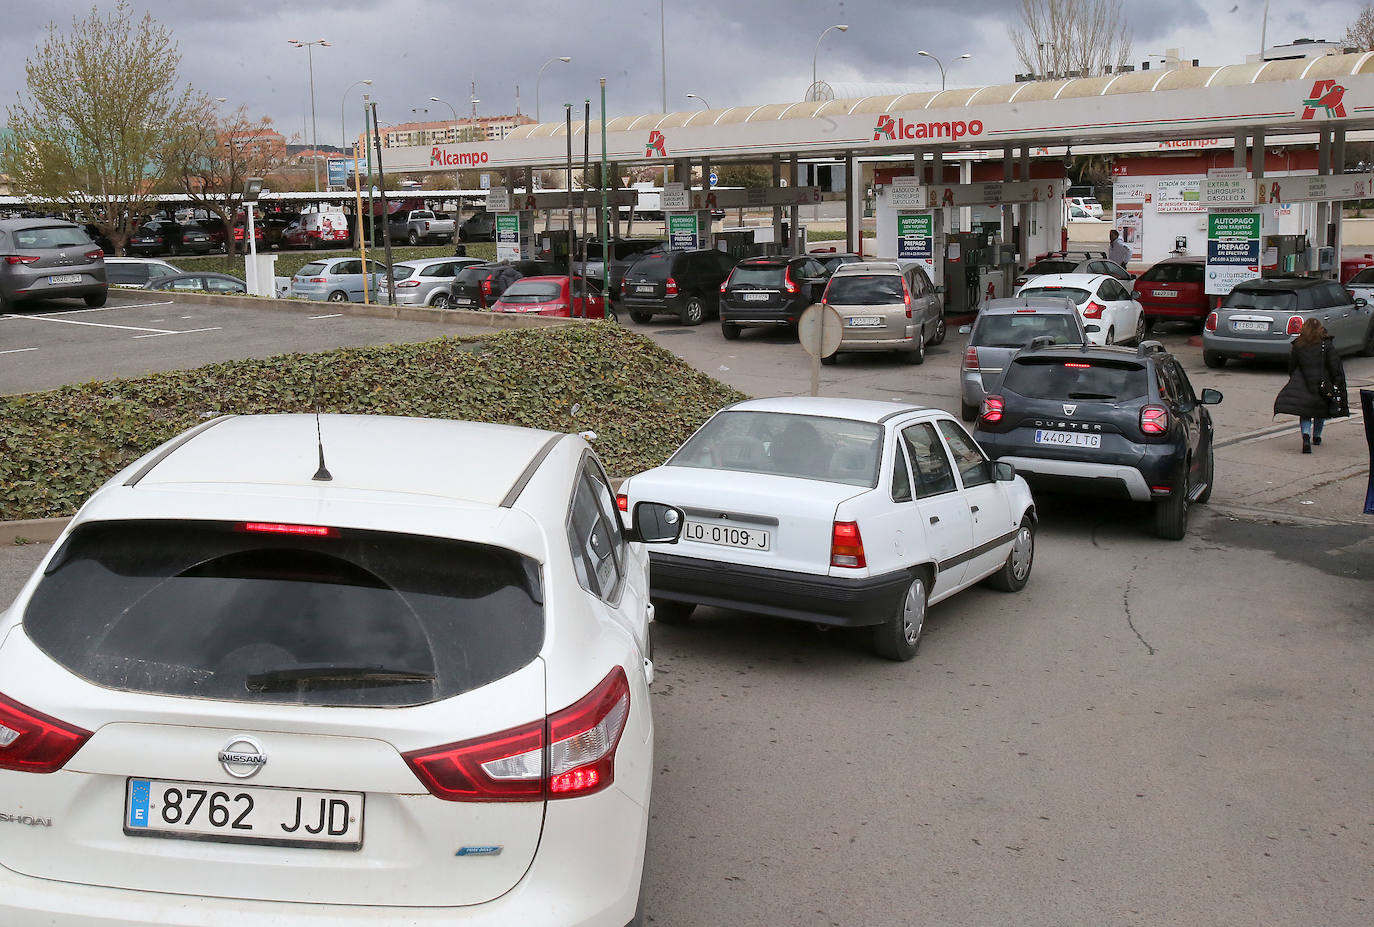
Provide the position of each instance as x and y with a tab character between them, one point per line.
1111	314
844	512
345	670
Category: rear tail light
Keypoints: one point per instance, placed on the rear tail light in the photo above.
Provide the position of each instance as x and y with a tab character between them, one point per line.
847	545
623	287
992	409
670	288
271	527
1093	310
724	284
971	358
787	282
1211	324
1154	420
319	279
95	255
1294	324
567	754
31	741
486	286
906	298
20	258
622	502
407	284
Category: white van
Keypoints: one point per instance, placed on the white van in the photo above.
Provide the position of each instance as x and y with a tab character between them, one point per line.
319	230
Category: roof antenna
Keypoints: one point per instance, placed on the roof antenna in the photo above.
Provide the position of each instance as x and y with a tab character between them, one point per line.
322	474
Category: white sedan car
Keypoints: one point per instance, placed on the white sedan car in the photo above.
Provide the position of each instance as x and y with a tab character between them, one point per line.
348	670
844	512
1110	311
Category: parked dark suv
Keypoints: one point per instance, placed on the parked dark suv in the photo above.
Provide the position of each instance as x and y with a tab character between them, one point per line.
47	259
770	291
684	283
1103	421
162	236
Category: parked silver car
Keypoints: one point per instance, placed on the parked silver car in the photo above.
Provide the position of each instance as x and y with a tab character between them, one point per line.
337	280
886	306
1003	327
428	283
49	259
1259	319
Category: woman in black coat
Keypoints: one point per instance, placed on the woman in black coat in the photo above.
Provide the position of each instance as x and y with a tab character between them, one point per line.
1316	383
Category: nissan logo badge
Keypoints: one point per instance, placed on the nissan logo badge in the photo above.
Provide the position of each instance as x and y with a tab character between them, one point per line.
242	757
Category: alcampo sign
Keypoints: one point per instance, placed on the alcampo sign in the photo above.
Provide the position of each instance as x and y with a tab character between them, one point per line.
898	129
438	157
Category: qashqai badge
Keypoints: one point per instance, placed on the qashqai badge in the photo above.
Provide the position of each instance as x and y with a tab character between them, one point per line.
242	757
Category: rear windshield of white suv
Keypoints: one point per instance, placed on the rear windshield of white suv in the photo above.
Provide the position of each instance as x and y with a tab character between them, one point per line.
864	290
836	450
1059	378
216	610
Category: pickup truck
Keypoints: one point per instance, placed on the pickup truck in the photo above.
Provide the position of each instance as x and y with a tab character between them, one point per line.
421	225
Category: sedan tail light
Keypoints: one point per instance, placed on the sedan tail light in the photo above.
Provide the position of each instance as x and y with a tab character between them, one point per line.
319	279
407	284
1154	420
971	358
567	754
1093	310
1211	324
992	409
31	741
20	258
95	255
1294	324
847	545
486	286
670	288
787	281
622	502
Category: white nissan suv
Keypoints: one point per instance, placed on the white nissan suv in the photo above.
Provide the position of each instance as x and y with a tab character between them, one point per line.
351	670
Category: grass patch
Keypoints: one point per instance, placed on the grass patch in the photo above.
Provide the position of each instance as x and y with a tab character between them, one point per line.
59	446
288	262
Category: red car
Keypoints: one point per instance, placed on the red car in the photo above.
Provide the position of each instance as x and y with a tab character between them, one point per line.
552	296
1173	291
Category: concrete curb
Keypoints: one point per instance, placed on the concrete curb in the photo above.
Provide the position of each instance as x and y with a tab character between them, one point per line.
41	530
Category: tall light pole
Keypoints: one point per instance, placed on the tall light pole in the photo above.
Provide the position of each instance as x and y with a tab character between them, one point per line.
925	54
700	99
343	131
314	130
563	58
814	54
663	58
457	185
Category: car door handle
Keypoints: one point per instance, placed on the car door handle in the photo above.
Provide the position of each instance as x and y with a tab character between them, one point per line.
973	509
935	519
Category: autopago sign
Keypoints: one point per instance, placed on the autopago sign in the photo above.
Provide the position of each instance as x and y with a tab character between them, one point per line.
1233	250
915	236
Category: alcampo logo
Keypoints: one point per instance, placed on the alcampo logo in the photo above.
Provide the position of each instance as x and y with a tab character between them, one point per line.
898	129
1328	95
438	157
656	143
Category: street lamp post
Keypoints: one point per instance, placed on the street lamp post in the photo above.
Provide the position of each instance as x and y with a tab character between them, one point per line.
314	130
700	99
343	131
457	185
563	58
814	54
925	54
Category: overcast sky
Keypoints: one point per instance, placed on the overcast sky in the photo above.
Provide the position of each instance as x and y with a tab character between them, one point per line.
731	52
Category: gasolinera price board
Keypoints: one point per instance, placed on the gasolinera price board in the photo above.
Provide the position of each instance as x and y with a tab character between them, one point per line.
1233	250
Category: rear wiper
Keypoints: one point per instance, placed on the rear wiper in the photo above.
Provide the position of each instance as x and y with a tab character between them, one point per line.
1092	396
317	675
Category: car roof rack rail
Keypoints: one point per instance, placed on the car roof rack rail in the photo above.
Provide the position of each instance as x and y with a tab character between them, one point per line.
1148	347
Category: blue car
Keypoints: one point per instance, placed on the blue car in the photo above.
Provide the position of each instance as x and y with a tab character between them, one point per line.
337	280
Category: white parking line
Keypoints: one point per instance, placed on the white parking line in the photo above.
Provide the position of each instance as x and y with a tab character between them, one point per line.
189	331
18	350
104	308
334	316
131	328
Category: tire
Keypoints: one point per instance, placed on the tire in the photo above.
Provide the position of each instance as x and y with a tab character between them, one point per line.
941	329
1210	471
673	612
172	250
440	301
1171	514
412	239
1110	337
1016	571
95	300
338	296
917	356
1148	322
831	360
1139	331
967	412
693	311
730	330
640	317
900	636
611	314
1213	359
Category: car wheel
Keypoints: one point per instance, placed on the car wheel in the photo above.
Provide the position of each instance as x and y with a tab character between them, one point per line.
1213	359
1016	571
413	239
1139	331
729	330
1209	474
941	329
172	250
640	317
1148	322
1171	513
831	360
338	296
1110	337
673	612
611	314
899	636
967	412
95	300
917	356
440	301
693	311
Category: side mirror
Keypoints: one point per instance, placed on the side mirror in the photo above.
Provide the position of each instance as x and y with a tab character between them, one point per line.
965	329
1092	328
1361	301
656	523
940	288
1003	472
1211	397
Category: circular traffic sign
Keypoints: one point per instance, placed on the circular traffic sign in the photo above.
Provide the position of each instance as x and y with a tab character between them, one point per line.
819	330
713	178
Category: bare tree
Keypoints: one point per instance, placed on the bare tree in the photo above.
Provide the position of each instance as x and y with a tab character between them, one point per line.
210	156
1071	36
101	101
1360	33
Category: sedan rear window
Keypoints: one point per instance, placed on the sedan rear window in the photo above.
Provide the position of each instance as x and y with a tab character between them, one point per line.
403	271
1016	331
1277	300
532	291
56	236
212	610
1173	273
310	270
1058	378
1052	267
836	450
1078	295
864	290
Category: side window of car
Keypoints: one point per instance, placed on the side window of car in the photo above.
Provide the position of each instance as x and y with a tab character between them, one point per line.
930	465
901	476
598	547
1336	295
1178	378
347	267
974	468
